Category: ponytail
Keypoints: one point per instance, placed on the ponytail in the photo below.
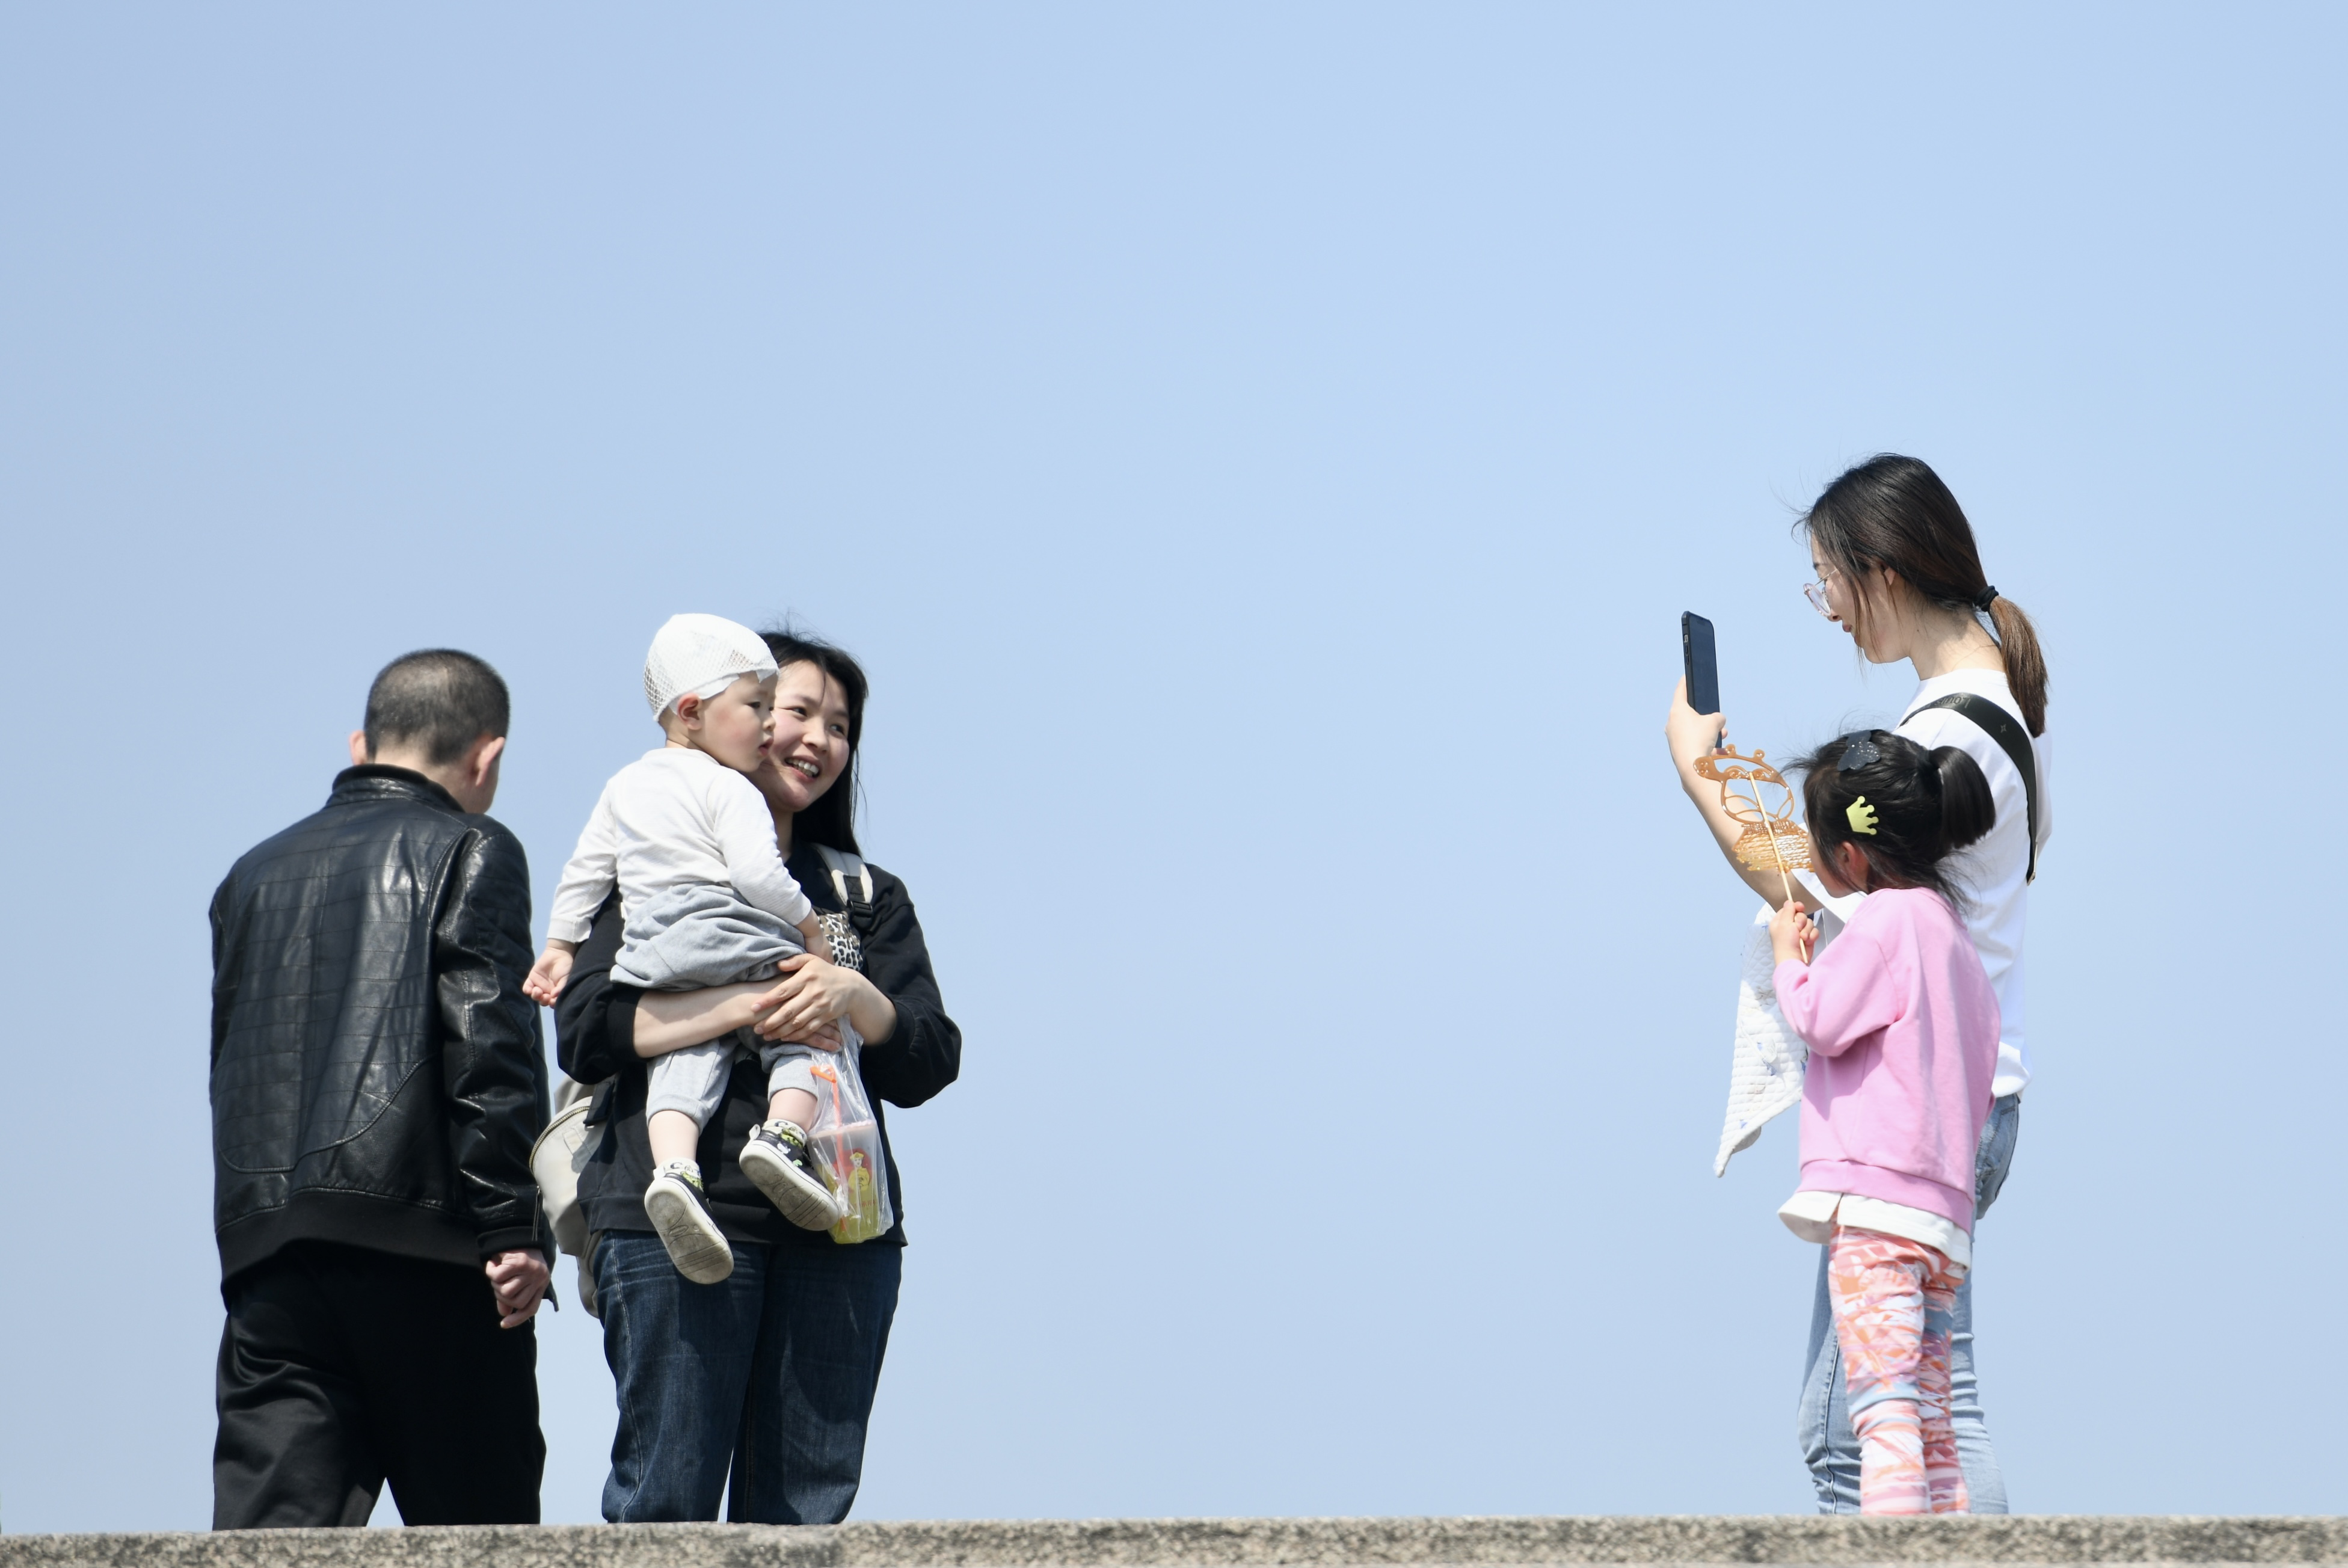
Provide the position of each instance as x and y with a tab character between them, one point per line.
1895	512
2025	666
1967	810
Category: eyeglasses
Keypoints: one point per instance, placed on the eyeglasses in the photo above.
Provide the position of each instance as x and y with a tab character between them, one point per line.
1816	592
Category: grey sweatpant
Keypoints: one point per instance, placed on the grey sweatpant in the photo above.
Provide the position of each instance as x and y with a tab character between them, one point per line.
690	939
693	1080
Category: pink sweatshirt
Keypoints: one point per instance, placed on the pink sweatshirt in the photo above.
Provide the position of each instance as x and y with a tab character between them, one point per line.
1903	1029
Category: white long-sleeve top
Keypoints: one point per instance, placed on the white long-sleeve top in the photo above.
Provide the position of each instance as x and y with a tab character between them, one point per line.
675	818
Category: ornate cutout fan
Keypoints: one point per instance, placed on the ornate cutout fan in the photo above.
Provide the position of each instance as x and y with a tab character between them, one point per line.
1773	839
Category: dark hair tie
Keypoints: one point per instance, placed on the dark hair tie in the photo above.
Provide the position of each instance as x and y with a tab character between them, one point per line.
1982	600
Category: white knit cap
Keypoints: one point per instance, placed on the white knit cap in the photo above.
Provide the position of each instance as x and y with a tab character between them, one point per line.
701	655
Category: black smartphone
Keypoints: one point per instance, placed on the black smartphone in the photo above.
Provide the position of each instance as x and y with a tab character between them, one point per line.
1703	668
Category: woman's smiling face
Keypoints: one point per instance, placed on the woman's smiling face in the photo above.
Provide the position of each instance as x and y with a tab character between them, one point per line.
811	747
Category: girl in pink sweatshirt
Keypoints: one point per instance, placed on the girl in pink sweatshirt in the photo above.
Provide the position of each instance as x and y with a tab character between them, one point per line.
1903	1029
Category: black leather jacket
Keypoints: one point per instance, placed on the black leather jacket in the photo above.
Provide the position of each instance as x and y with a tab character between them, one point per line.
378	1076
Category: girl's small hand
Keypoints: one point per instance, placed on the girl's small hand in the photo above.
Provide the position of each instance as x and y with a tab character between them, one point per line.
1791	932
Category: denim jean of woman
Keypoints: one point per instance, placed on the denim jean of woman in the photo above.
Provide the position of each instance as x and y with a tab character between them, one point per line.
1830	1445
764	1379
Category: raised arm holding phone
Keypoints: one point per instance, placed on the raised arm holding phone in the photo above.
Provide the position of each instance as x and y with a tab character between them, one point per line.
1696	729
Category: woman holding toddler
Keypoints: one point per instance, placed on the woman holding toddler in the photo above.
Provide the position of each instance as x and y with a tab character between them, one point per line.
759	1385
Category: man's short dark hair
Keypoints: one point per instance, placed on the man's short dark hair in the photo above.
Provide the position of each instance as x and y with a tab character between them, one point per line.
438	698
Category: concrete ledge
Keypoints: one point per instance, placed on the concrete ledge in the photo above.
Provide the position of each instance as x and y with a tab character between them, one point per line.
1220	1543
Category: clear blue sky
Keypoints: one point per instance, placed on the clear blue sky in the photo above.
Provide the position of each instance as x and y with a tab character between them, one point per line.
1262	452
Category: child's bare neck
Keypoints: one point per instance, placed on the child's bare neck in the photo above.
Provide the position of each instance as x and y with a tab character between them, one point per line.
676	738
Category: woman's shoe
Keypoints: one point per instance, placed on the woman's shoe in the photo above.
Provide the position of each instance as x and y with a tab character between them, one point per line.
777	1161
680	1214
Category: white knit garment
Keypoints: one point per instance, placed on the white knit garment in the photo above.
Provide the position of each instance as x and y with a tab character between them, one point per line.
1764	1068
701	655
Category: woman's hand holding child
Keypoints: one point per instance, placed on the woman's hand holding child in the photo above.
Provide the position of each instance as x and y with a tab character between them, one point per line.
1791	932
815	995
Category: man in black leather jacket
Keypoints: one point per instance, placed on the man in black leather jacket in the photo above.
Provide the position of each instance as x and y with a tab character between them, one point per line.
376	1083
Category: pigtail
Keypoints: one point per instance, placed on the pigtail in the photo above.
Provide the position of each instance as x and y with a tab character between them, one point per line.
1967	810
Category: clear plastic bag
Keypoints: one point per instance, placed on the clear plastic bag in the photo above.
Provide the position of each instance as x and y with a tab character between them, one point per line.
846	1141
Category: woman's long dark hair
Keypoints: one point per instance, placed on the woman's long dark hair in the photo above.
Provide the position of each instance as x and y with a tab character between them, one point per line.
831	819
1894	512
1926	806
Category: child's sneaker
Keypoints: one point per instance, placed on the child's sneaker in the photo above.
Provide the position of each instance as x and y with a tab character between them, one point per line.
680	1213
777	1160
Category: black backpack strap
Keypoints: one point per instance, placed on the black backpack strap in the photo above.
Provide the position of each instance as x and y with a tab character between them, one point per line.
2002	727
852	879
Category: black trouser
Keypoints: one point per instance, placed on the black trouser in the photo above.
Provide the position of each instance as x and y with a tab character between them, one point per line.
340	1368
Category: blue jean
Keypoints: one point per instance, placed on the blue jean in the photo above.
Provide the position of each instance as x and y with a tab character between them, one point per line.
764	1379
1822	1421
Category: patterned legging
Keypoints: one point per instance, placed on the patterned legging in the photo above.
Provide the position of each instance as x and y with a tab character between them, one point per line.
1893	1299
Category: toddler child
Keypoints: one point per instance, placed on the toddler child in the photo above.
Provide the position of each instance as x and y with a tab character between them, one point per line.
706	900
1903	1029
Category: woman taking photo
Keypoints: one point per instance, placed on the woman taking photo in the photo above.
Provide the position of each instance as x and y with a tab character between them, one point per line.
1897	571
765	1378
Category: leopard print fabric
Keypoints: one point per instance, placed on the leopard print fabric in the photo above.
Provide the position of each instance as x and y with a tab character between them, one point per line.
847	950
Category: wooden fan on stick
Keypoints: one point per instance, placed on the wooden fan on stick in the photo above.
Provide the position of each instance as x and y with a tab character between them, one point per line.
1773	839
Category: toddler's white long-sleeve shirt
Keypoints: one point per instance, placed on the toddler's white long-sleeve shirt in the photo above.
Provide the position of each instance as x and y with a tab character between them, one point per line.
675	818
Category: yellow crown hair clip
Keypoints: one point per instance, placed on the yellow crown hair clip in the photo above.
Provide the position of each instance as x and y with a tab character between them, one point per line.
1860	753
1772	839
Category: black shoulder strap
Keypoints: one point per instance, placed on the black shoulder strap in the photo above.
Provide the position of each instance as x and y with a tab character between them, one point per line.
2000	726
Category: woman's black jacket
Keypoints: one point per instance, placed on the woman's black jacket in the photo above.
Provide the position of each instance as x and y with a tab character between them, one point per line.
594	1031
